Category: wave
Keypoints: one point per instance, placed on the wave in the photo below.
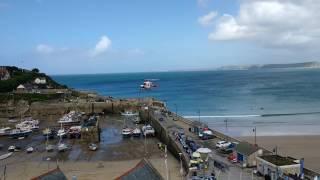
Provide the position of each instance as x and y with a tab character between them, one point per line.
224	116
290	114
254	115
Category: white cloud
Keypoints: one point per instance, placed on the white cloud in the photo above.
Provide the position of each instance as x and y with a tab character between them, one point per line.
102	46
208	18
280	23
44	49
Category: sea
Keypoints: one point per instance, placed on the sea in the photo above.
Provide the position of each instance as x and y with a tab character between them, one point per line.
274	101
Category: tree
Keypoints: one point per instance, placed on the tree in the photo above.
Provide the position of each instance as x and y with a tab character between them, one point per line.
35	70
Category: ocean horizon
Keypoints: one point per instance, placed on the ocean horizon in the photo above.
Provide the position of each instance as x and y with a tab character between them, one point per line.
275	101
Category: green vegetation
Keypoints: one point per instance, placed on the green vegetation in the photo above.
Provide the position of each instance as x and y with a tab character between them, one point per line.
22	76
28	97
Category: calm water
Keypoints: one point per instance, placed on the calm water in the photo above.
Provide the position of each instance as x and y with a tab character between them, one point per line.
239	97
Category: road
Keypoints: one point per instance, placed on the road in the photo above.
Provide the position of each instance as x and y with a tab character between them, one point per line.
234	172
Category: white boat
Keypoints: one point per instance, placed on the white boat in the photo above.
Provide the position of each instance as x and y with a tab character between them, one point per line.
16	133
148	130
129	113
61	133
29	149
4	156
71	118
5	131
28	123
136	132
93	147
12	120
126	132
11	148
62	147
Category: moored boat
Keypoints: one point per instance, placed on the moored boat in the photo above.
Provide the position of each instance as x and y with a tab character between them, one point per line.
93	147
129	113
62	147
126	132
72	118
29	149
148	130
16	133
5	131
74	132
136	132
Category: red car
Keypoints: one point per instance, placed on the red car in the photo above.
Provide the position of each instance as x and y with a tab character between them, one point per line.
232	158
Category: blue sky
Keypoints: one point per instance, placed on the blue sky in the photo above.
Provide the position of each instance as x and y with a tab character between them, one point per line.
96	36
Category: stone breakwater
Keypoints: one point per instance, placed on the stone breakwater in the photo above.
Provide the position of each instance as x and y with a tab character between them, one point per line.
41	110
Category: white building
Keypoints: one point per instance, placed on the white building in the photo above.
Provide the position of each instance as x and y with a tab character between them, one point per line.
40	81
275	166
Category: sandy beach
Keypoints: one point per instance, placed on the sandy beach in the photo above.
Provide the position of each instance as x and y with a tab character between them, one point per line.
307	147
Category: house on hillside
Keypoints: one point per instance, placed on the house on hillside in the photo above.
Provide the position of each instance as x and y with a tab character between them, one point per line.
21	88
40	80
4	74
246	154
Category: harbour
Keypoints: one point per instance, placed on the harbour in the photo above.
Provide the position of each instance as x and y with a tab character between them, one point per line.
112	144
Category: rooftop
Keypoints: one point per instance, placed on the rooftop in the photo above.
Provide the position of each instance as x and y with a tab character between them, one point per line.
246	148
55	174
278	160
143	170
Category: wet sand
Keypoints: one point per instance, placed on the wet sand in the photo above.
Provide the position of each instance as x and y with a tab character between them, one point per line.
307	147
115	155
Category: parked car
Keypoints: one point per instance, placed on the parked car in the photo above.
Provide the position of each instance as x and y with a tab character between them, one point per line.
222	144
193	146
232	158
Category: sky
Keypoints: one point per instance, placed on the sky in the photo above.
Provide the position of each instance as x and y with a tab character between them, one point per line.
111	36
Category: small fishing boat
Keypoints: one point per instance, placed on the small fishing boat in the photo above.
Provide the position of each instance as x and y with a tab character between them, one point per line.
93	147
148	130
72	118
74	132
4	156
29	149
62	147
126	132
16	133
12	120
61	132
129	113
136	132
5	131
11	148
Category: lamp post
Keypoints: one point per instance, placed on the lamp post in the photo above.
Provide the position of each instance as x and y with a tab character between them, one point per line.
181	169
255	135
